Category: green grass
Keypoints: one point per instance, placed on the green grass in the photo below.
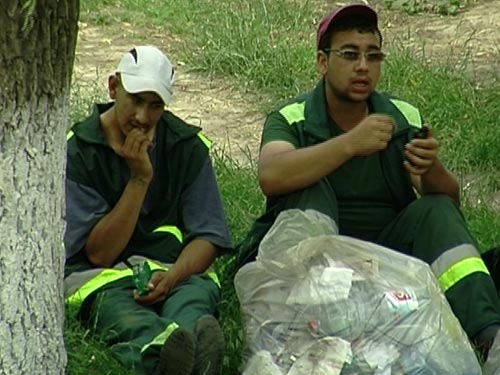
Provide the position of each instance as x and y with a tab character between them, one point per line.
266	48
443	7
462	116
235	181
86	354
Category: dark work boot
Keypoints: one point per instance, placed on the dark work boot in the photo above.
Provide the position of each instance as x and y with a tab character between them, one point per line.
492	260
177	354
492	364
209	346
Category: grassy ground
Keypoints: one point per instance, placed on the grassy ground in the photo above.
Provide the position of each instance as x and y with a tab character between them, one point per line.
267	47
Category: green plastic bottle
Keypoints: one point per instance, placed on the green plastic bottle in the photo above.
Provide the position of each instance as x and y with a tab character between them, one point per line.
141	276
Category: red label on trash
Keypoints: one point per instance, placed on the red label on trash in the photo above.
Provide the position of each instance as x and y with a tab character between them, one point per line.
401	302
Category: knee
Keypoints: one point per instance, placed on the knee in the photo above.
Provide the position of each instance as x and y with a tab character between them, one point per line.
437	210
436	203
201	286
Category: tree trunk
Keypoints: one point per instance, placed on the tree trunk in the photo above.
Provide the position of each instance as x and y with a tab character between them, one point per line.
37	44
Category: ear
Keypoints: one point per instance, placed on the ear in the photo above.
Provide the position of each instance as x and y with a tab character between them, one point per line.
113	84
322	62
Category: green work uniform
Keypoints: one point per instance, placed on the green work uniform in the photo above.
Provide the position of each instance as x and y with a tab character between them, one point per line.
182	203
372	198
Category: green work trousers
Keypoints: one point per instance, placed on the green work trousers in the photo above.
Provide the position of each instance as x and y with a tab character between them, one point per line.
425	229
130	329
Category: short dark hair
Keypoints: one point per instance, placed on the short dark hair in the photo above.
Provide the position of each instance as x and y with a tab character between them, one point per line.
346	24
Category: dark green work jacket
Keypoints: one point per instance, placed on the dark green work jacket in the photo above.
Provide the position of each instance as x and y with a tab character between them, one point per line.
180	151
308	116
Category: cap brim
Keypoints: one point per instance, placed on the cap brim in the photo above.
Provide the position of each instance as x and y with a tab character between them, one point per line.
134	84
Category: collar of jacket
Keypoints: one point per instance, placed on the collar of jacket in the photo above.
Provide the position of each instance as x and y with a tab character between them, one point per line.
170	125
316	114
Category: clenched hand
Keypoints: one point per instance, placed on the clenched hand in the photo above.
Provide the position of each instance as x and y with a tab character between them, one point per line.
421	154
160	285
135	151
370	135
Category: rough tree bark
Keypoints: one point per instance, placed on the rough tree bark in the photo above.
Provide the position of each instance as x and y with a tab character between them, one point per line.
37	48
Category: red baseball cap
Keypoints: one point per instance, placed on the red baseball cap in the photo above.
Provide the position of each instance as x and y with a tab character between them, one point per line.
360	10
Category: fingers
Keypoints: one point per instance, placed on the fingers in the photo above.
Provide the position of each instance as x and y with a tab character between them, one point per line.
155	295
413	169
136	143
420	155
371	135
381	127
159	289
383	122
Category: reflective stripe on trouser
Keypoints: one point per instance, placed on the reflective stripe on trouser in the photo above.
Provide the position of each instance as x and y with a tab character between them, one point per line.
467	284
455	264
162	337
433	229
79	285
427	229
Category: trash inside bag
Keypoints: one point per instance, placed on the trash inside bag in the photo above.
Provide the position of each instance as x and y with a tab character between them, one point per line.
318	303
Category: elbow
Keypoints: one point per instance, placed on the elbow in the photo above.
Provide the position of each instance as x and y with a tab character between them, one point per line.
456	197
266	188
269	185
97	260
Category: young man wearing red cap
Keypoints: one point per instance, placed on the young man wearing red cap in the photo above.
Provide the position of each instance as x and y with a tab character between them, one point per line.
359	155
141	192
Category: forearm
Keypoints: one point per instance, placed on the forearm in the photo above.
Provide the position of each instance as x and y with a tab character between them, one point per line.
194	259
438	180
296	169
112	233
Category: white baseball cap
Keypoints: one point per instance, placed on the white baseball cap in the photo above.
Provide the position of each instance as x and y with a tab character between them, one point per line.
146	68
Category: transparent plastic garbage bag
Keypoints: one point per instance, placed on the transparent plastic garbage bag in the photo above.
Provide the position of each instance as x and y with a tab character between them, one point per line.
318	303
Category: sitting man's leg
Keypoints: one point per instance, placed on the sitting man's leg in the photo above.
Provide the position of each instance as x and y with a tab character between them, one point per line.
135	333
319	197
193	304
433	229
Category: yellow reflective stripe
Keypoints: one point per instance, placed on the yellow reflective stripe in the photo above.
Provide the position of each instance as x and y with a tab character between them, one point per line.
452	256
155	266
294	112
211	274
104	277
172	229
206	141
162	337
410	112
214	278
69	135
109	275
459	270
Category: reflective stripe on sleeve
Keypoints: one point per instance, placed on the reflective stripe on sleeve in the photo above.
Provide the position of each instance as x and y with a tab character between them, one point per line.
172	229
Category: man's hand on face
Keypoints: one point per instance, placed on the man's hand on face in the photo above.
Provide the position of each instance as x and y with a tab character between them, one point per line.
421	154
372	134
135	151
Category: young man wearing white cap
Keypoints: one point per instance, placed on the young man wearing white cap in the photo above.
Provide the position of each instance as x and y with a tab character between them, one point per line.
358	155
141	194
